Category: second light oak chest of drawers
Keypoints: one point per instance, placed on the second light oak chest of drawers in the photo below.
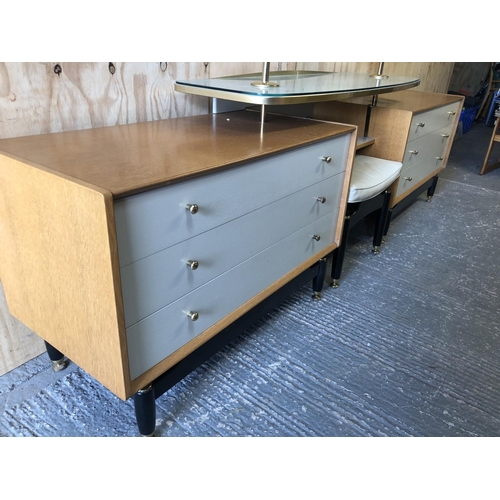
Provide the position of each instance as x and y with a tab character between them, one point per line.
417	129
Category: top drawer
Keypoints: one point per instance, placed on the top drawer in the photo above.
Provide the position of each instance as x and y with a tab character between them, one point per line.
434	119
152	221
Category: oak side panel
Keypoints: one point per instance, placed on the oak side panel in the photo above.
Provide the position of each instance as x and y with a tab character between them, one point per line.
341	112
455	125
60	267
345	189
390	128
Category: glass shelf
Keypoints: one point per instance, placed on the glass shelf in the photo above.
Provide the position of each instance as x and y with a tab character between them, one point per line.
295	87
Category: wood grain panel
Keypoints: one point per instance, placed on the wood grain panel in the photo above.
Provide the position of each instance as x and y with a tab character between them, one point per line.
390	128
36	100
339	67
341	112
434	76
220	69
60	267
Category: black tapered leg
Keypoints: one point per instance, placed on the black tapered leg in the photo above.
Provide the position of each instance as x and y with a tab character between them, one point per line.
319	279
338	255
381	223
387	223
145	410
59	361
430	191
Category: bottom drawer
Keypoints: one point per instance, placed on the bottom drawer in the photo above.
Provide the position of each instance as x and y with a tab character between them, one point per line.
154	338
416	173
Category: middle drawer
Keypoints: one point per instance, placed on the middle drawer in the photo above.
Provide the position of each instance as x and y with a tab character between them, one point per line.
155	281
433	144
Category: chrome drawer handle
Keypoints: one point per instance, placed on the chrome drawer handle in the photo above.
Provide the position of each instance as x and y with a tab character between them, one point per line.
193	264
452	113
408	178
316	237
420	124
413	152
193	316
445	135
439	158
192	208
321	199
328	159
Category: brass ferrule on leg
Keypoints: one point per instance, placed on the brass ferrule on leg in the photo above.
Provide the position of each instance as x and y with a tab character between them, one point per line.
60	364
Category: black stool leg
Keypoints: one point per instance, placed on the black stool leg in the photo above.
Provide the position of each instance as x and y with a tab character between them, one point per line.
145	410
59	361
319	279
338	255
387	223
430	191
381	223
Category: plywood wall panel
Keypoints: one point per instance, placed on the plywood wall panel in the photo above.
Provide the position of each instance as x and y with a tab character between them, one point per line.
339	67
220	69
434	76
36	100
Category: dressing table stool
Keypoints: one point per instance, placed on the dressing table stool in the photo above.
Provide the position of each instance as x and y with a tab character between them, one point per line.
368	193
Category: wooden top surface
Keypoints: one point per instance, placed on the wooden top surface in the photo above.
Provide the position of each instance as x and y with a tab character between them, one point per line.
411	100
127	159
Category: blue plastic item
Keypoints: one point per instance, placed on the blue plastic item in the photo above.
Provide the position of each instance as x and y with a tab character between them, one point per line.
467	118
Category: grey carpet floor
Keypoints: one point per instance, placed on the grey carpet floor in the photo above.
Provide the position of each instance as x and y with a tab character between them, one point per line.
408	345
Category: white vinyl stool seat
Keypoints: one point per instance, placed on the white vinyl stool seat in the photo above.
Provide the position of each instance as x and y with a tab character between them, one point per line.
371	176
368	194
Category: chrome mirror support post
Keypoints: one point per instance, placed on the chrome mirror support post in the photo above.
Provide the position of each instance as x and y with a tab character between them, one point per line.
378	77
265	83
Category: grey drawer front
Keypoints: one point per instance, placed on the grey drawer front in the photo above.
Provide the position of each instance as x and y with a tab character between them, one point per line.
433	119
159	335
149	222
417	172
433	144
153	282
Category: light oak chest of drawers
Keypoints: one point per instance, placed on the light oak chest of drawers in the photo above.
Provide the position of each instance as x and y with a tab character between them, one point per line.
417	129
128	247
412	127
